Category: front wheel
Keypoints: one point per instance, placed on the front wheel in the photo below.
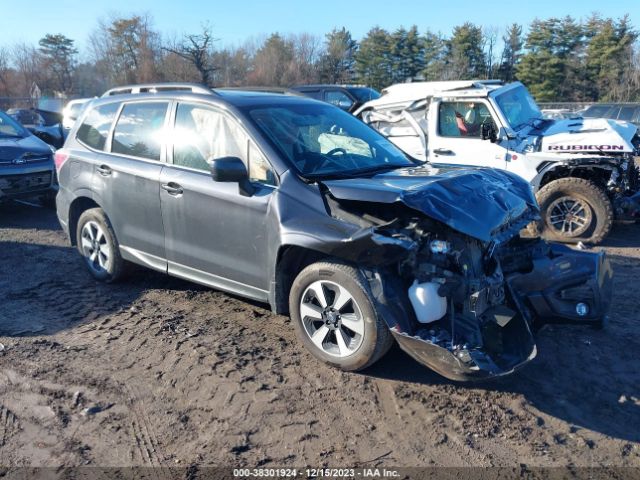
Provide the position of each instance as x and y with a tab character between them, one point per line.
575	210
335	316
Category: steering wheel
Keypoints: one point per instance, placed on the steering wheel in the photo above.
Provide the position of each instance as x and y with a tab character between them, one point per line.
333	151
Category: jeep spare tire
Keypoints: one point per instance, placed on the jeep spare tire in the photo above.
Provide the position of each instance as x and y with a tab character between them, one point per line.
574	210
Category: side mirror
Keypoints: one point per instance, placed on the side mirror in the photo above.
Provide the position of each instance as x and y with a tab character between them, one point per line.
232	170
488	132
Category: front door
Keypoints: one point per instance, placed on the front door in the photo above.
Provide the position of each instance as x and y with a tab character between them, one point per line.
213	233
455	135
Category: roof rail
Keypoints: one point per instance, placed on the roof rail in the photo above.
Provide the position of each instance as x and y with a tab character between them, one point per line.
159	87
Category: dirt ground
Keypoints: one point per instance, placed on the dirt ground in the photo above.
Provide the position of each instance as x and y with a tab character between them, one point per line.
157	371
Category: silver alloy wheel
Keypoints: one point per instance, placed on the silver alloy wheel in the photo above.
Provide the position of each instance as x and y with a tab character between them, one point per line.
95	247
331	318
569	216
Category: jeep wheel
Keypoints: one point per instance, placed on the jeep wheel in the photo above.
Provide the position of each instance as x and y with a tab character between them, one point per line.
335	317
98	246
575	210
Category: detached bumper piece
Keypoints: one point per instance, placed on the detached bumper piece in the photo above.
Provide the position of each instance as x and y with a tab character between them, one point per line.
506	344
569	287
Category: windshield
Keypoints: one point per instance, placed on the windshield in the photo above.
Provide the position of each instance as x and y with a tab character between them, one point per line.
518	107
10	128
364	94
323	141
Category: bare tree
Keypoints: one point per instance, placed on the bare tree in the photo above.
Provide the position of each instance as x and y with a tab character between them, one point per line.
26	61
490	35
127	49
197	49
4	71
304	66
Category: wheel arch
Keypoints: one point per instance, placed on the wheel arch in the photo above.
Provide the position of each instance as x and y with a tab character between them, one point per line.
290	261
598	174
77	207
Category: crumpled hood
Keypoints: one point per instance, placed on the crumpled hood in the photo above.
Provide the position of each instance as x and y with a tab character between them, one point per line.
13	148
588	135
483	203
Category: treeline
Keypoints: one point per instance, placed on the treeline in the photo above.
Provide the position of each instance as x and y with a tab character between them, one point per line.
559	59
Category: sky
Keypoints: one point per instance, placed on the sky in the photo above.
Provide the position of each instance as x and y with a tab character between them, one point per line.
234	21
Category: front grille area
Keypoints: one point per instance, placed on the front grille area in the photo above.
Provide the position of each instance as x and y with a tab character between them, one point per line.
29	158
28	182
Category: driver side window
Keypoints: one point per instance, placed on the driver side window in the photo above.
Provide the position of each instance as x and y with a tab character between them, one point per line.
202	134
462	119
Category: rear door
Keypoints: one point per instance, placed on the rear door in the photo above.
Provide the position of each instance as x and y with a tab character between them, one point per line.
455	134
128	181
214	234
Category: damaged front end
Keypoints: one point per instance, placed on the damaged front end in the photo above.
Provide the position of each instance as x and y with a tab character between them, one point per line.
467	304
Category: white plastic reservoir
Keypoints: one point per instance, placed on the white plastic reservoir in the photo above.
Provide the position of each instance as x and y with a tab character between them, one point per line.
428	305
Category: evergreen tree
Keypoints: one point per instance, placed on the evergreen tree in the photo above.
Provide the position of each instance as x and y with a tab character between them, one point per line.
407	54
338	61
373	59
465	56
551	66
511	52
434	62
58	54
608	58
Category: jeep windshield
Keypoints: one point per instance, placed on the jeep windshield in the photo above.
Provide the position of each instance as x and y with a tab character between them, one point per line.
518	107
322	141
9	128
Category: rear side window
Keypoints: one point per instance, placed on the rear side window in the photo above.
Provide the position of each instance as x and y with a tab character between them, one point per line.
338	98
627	112
95	128
138	131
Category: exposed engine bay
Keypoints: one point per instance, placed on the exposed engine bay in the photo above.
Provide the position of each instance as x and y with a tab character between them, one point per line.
467	307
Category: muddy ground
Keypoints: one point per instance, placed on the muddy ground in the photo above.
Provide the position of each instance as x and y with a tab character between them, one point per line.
158	371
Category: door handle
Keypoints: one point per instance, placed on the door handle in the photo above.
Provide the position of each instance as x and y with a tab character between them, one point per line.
443	151
172	188
104	170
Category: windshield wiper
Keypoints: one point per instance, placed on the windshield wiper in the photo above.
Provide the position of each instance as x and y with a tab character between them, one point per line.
353	173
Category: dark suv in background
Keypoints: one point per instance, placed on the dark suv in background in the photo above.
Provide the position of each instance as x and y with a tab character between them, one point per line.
294	202
345	97
629	112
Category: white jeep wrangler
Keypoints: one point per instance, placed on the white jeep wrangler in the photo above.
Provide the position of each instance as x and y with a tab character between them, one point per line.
582	170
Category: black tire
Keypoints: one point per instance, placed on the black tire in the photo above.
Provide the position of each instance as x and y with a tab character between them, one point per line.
114	266
597	214
376	338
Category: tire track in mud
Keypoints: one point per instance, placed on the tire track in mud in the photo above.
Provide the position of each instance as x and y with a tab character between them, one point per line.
9	425
50	305
142	431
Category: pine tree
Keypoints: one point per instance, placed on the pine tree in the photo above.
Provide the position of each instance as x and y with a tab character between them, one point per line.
511	52
373	60
338	61
58	54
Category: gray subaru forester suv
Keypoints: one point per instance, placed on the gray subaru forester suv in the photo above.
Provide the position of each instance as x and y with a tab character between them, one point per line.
295	203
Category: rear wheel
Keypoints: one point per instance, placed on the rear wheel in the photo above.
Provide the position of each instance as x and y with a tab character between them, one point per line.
575	210
335	316
99	247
